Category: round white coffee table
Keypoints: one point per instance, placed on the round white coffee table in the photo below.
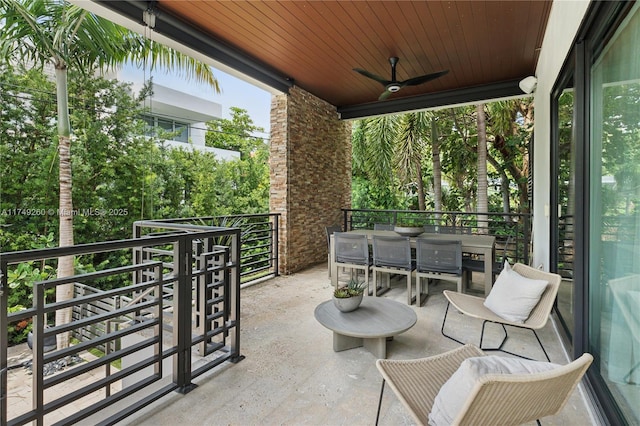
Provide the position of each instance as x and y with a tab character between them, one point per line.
370	325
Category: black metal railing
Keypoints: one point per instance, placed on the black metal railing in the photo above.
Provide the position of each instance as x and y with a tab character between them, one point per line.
512	230
177	316
566	246
259	240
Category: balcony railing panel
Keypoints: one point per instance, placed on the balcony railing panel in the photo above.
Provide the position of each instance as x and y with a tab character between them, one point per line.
258	243
174	316
501	225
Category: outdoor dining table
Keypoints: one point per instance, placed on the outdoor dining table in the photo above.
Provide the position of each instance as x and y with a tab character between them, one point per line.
471	243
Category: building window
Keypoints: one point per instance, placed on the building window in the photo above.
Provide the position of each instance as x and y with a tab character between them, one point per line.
166	128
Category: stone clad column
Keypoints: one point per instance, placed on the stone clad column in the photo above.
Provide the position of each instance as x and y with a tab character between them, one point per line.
310	174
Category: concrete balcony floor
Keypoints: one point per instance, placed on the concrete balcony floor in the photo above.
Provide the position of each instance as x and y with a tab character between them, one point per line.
291	375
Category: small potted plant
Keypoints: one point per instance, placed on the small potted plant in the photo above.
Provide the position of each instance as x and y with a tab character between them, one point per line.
348	298
409	227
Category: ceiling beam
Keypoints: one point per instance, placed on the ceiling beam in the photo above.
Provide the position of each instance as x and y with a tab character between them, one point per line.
447	98
181	32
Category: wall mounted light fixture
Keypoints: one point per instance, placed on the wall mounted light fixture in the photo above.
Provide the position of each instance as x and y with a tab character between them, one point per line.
528	84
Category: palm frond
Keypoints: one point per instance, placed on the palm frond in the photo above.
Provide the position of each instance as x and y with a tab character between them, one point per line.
65	35
413	132
502	115
380	134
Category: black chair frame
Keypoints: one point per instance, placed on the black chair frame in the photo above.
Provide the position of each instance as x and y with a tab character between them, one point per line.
500	347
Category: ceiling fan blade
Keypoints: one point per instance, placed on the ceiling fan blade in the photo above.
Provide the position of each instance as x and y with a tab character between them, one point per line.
372	76
423	78
384	95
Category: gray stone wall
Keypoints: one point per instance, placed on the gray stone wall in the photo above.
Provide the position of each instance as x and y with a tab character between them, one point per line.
310	167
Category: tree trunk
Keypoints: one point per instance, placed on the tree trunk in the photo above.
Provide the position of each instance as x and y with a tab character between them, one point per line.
420	183
65	213
504	186
437	171
482	196
519	175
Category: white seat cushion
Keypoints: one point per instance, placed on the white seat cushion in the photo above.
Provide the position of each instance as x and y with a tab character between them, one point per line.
455	391
513	296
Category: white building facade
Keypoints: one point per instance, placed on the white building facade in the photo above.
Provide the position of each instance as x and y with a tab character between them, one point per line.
180	116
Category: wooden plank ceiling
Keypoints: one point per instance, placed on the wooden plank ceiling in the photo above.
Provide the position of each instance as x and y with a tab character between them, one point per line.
318	43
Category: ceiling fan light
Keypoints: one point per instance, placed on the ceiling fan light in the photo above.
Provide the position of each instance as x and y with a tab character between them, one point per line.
393	88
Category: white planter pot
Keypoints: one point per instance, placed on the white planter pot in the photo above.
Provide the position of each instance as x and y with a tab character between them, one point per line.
50	343
409	231
347	304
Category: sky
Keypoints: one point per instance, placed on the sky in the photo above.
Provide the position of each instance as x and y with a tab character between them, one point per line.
235	92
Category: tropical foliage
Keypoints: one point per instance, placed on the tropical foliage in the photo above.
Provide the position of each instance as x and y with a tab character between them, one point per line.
64	37
116	169
119	175
445	160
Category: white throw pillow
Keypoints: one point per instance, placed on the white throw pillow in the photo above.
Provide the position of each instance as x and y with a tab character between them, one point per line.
513	296
454	393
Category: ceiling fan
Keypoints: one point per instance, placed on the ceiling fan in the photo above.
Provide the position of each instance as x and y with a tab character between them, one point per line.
393	85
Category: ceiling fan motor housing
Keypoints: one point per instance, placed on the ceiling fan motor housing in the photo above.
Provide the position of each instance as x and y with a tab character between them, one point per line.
393	85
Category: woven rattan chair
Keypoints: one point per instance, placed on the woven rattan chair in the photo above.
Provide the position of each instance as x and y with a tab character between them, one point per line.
626	299
496	399
473	306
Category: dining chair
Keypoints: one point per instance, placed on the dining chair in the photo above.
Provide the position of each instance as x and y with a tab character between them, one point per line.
446	229
430	229
329	230
474	264
383	227
352	252
392	255
437	259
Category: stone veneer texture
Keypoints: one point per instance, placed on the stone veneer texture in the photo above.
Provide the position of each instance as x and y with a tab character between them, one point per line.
310	168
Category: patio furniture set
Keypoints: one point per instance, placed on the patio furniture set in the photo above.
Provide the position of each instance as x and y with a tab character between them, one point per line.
353	252
463	386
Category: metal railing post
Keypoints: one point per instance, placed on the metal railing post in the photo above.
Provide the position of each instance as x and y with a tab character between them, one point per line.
4	342
276	243
37	364
526	232
344	219
182	305
233	277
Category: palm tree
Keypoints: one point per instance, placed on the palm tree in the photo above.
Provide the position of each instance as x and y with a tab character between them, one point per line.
459	153
482	201
413	129
373	146
57	34
512	124
392	145
437	169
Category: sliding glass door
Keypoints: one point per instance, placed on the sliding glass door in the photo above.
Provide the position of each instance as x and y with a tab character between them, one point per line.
614	216
564	160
